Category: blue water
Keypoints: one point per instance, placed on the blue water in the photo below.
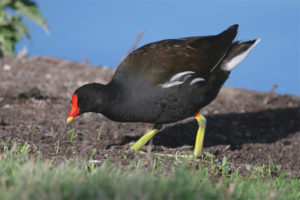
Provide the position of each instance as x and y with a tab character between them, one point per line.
103	31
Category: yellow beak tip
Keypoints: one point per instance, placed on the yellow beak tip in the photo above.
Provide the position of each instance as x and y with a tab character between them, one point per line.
69	119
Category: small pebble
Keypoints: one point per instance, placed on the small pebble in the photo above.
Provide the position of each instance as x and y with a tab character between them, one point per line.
6	67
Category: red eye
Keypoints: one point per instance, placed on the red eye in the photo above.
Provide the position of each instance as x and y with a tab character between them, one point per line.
84	98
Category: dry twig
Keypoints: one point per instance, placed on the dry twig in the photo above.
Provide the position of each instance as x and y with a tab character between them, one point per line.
267	99
137	39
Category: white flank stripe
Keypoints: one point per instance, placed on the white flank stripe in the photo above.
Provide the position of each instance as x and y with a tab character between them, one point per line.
239	58
177	76
196	80
166	85
178	79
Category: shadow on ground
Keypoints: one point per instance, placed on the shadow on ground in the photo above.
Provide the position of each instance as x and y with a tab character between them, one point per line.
234	129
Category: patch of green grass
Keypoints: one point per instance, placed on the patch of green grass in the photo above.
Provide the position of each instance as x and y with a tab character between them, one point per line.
22	177
57	147
99	133
33	127
73	135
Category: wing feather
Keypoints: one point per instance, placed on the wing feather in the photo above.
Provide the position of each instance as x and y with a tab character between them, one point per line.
158	62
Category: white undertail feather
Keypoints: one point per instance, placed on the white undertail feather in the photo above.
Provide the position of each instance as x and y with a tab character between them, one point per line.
239	58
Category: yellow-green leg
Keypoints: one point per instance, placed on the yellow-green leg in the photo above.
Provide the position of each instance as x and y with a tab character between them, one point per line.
199	138
200	134
145	138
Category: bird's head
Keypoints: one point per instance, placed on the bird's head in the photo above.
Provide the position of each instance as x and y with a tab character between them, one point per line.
87	98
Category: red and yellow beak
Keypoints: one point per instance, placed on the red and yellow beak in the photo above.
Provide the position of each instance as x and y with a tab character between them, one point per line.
74	110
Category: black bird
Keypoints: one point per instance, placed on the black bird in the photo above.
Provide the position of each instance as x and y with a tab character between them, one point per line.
165	81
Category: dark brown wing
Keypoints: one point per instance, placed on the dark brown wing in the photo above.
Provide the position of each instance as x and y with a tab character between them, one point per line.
159	61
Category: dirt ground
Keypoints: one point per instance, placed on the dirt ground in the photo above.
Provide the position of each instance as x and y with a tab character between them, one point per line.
245	126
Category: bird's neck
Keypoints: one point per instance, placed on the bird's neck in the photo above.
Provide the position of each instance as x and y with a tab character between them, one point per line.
110	95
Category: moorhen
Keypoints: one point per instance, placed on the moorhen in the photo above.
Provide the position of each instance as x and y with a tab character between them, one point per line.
164	82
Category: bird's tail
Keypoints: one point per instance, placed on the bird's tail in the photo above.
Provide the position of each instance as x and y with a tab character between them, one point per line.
238	52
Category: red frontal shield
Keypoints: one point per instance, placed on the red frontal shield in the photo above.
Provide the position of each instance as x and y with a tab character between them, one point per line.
74	110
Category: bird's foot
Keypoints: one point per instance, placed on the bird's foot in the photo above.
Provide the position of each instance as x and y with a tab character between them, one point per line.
169	155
